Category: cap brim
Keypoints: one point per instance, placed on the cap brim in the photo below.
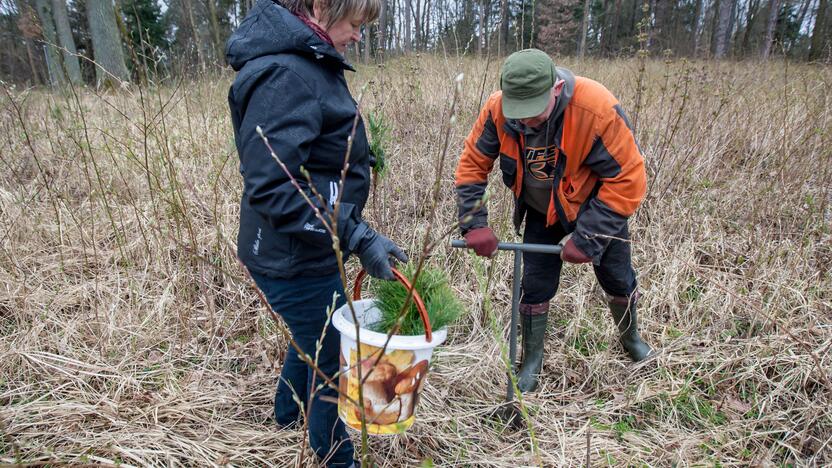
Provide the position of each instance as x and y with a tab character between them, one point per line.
526	108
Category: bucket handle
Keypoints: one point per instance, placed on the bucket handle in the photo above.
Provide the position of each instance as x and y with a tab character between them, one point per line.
420	305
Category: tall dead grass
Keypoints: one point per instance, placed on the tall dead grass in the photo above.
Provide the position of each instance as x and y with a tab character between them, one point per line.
128	336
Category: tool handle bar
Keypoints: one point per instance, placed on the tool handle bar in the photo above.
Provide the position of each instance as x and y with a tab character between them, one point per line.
537	248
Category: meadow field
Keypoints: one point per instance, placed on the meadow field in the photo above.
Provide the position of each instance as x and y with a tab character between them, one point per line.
130	336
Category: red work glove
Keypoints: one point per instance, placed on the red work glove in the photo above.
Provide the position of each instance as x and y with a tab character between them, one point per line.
482	240
571	253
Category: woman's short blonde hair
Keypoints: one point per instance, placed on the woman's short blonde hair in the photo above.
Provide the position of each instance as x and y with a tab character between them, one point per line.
335	10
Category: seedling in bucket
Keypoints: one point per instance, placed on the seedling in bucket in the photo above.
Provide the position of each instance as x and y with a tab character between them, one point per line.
393	365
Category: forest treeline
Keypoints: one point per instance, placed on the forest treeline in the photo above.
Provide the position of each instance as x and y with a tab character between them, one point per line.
60	41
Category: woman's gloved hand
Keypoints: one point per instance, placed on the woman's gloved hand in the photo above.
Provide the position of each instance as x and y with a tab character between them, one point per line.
374	252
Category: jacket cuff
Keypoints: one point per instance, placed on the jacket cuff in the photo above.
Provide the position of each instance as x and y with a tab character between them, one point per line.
358	234
347	223
470	196
595	227
475	223
591	248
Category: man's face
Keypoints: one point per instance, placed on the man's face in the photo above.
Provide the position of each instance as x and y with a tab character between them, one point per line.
537	121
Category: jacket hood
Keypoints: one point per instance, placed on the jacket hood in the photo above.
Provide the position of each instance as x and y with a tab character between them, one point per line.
270	29
566	93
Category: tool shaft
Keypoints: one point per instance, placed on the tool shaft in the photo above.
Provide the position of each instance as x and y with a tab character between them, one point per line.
515	318
515	294
537	248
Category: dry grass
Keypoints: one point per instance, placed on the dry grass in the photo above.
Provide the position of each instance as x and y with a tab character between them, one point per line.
127	336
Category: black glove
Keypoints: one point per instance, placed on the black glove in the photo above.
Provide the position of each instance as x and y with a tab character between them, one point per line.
374	251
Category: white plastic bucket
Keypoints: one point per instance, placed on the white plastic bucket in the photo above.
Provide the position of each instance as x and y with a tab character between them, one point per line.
392	381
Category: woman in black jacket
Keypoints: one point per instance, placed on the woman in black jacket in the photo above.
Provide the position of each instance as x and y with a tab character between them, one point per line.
290	83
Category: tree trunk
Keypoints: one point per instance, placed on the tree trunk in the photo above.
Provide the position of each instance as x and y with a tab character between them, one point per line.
398	27
615	31
605	25
426	24
663	26
651	28
801	15
106	43
774	10
735	13
67	43
695	30
725	15
27	26
532	21
487	20
750	20
713	28
481	35
819	38
219	49
407	15
31	57
417	26
367	43
189	11
390	30
470	19
382	32
584	28
502	42
522	25
50	39
635	16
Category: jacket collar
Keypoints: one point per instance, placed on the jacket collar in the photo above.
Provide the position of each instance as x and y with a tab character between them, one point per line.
270	29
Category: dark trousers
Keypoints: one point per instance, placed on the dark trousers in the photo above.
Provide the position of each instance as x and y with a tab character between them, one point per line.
541	272
303	303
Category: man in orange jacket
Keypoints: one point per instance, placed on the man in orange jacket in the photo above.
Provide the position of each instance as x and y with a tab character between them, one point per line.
566	150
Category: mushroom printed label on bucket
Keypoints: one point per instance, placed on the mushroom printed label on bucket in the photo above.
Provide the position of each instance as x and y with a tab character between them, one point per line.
391	387
392	379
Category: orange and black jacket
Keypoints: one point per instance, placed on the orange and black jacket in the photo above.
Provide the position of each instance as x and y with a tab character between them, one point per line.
599	177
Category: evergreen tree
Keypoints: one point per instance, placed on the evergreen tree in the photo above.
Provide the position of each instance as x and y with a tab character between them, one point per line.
559	26
145	27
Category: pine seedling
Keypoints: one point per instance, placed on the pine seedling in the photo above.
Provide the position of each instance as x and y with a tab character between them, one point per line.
379	141
432	285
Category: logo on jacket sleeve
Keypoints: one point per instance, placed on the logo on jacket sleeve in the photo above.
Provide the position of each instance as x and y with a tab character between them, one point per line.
333	193
311	227
255	248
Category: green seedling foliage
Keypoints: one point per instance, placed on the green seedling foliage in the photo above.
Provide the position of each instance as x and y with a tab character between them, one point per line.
620	427
379	141
587	342
692	292
442	304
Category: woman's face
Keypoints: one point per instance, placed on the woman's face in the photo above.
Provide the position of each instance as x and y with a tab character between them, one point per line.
344	32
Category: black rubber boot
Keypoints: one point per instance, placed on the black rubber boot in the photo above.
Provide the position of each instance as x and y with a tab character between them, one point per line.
533	318
626	317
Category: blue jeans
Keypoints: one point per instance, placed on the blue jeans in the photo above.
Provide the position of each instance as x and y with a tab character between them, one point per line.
303	303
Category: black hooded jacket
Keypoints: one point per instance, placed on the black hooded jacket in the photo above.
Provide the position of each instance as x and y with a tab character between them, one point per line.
291	84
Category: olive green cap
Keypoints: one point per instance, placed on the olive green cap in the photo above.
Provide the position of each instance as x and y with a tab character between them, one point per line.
526	79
